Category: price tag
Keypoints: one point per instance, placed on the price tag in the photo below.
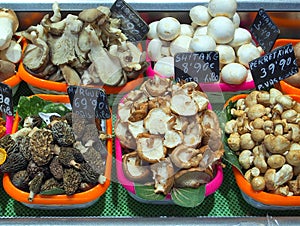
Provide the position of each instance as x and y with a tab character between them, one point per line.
273	67
89	102
6	102
200	67
264	30
132	25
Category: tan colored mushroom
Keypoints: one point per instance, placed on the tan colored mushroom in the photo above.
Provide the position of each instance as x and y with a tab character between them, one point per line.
184	105
276	144
293	155
157	121
192	178
9	24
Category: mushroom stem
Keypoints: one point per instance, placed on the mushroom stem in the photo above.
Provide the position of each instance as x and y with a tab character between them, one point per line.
31	196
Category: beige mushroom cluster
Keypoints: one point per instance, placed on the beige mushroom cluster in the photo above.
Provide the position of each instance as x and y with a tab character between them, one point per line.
265	134
10	49
215	27
88	48
171	135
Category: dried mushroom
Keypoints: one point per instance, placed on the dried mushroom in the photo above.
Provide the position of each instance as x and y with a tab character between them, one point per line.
264	133
86	49
71	181
192	178
167	127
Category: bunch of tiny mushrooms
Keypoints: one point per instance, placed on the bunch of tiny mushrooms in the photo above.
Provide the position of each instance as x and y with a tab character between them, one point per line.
62	158
265	134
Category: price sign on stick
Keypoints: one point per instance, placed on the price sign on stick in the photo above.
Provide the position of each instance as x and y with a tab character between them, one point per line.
264	30
89	102
200	67
6	103
273	67
132	25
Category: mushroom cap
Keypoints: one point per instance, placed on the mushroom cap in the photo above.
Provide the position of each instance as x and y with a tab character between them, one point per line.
186	29
199	15
226	54
200	31
9	13
165	66
202	43
184	105
192	178
241	36
246	53
221	28
154	49
89	15
234	73
222	8
152	33
185	157
168	28
180	44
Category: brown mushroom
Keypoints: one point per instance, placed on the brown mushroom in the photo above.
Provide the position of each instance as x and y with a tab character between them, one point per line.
133	168
192	178
7	69
124	135
157	121
9	24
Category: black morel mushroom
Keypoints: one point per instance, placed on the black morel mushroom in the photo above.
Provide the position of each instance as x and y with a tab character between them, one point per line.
6	141
21	179
24	143
35	185
32	121
88	174
63	133
66	157
33	169
94	159
40	146
71	181
51	184
78	125
56	168
68	118
90	133
14	162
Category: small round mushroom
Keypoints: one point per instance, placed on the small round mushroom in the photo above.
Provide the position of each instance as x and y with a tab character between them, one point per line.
246	53
241	36
200	31
165	66
202	43
154	49
168	28
9	24
186	29
222	8
221	28
226	54
152	33
199	15
236	20
180	44
234	73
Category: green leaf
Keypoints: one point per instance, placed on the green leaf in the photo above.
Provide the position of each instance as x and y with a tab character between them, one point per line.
188	197
147	192
61	109
54	191
30	106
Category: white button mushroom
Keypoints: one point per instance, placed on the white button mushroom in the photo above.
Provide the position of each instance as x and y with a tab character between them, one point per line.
152	30
165	66
241	36
168	28
226	54
200	31
186	29
236	20
202	43
154	49
221	29
234	73
246	53
180	44
222	8
199	15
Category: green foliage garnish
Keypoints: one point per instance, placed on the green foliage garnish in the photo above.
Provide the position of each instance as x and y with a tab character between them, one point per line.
28	106
147	192
188	197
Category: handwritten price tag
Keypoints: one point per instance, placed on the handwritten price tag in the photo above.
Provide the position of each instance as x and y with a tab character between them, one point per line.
6	103
132	25
200	67
273	67
89	102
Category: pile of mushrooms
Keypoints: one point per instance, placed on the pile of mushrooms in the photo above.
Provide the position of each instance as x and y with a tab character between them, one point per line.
10	49
213	28
265	134
86	49
168	135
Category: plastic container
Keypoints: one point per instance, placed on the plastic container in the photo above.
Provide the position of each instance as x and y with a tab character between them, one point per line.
78	200
210	187
282	85
38	85
261	199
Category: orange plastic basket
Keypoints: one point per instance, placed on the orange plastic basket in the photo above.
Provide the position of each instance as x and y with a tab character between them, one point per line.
262	198
78	200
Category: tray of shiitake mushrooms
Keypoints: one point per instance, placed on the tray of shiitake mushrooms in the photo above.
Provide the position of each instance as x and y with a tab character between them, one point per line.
168	144
55	158
85	49
213	27
262	142
290	85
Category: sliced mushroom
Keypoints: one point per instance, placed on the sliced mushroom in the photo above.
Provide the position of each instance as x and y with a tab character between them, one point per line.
133	169
70	75
150	147
163	174
192	136
192	178
172	139
184	105
136	128
157	86
124	135
185	157
157	121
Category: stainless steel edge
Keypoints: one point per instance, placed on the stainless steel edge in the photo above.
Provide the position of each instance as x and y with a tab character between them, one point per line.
148	5
211	221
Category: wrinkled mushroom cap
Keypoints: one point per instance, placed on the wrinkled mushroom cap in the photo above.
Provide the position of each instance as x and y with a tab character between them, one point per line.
89	15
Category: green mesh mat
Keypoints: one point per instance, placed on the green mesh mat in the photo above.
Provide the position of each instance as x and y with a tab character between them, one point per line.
116	202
